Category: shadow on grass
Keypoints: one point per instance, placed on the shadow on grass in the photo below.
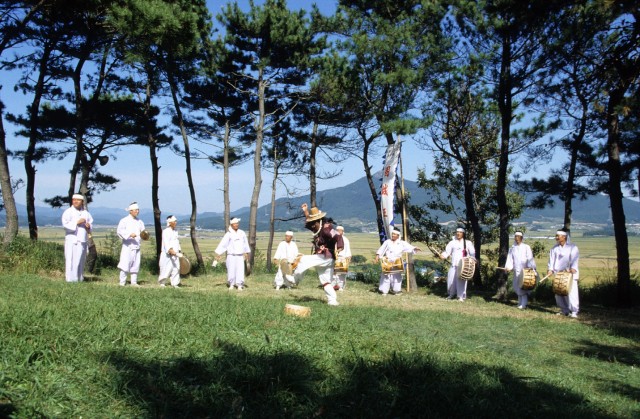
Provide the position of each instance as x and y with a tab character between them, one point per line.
237	383
608	353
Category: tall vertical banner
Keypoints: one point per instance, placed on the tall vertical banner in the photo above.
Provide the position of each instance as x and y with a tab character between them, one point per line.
387	192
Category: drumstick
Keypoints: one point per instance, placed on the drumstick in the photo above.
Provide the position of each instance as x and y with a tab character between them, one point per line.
544	278
501	268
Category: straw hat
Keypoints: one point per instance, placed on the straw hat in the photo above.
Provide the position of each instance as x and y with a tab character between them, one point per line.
315	214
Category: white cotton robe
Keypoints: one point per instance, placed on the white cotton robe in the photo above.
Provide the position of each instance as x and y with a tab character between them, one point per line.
562	258
130	252
393	250
287	251
170	264
75	243
235	243
457	287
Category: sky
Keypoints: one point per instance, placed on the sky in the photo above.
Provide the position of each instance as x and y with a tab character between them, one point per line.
133	168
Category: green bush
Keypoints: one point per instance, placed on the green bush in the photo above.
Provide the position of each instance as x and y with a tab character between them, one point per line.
28	256
358	259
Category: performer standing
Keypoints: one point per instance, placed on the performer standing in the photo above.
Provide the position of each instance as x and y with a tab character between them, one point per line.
564	256
236	245
393	249
77	222
340	279
457	248
129	229
326	242
520	257
287	251
170	254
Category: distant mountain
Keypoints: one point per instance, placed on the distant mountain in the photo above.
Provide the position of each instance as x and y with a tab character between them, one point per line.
351	206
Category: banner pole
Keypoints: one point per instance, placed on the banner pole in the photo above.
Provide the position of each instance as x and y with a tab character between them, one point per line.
404	216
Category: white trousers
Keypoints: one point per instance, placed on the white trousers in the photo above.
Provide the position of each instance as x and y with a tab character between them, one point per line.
340	280
235	270
324	268
169	269
75	255
570	303
129	260
391	280
279	279
456	287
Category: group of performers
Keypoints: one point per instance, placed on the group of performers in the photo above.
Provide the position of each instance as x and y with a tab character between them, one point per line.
78	224
330	257
331	250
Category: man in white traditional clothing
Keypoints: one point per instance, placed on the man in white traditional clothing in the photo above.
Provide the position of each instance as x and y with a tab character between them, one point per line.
286	252
520	257
170	255
129	229
564	256
457	249
326	243
236	245
340	278
77	222
392	249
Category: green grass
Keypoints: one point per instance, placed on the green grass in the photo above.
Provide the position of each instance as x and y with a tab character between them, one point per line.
99	350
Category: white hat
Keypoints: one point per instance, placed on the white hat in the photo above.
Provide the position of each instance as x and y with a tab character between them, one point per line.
561	233
460	229
133	206
171	219
77	196
234	221
288	233
518	233
395	231
340	228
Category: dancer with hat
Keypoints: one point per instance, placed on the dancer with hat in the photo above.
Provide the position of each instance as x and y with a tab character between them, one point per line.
520	257
393	249
286	252
457	248
170	255
236	245
564	256
77	222
326	242
129	229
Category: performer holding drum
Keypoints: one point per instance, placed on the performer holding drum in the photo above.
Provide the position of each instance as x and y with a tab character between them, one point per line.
563	263
285	255
343	258
392	267
520	260
463	255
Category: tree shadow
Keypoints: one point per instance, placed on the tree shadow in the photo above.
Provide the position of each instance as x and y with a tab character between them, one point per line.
420	386
232	383
235	382
614	354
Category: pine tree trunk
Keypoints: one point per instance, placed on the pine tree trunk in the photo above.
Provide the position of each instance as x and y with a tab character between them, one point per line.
8	200
614	169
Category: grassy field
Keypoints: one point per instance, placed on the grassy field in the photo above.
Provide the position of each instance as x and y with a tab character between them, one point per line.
98	350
